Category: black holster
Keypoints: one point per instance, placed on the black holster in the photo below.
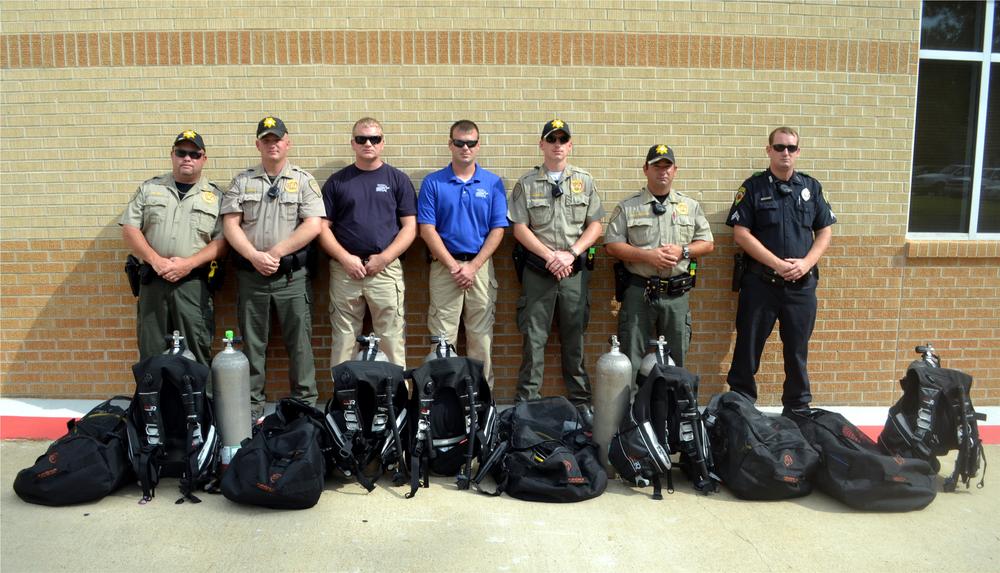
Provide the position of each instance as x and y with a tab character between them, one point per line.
517	254
621	281
739	269
132	266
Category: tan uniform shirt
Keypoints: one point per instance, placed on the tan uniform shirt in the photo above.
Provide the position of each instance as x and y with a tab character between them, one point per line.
267	221
635	223
557	222
175	226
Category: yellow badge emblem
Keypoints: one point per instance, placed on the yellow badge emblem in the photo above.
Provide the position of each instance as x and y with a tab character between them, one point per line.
576	186
739	195
681	208
661	150
189	134
292	186
269	122
557	124
208	196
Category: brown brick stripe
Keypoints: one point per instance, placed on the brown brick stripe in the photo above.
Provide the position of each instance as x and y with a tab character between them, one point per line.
100	49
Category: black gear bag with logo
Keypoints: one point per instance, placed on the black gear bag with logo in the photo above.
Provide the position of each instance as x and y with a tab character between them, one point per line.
758	457
664	419
88	463
284	465
457	420
854	470
544	453
369	415
934	416
171	429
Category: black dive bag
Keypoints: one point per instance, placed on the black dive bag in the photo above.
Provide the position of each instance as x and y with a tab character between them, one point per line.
171	429
88	463
284	465
854	470
369	415
457	420
543	453
758	457
934	416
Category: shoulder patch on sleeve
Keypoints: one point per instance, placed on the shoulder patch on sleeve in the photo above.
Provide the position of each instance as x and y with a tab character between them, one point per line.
616	212
314	186
740	193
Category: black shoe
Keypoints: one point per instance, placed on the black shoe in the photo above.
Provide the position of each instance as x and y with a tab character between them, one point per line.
790	411
587	414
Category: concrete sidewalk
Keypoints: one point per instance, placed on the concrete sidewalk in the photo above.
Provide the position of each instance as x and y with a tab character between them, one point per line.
443	529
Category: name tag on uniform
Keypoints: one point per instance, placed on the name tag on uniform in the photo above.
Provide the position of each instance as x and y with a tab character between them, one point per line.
576	186
681	208
292	186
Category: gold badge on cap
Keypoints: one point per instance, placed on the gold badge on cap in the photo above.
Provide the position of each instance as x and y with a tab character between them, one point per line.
576	186
292	186
189	134
269	122
681	208
662	150
557	124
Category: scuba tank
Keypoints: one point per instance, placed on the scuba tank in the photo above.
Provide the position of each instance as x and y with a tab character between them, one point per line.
178	346
369	349
612	390
231	392
660	355
441	349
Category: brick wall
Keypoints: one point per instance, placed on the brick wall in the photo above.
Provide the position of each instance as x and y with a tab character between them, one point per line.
93	93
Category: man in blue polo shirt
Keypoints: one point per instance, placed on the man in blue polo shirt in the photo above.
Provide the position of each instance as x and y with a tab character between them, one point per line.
371	221
462	212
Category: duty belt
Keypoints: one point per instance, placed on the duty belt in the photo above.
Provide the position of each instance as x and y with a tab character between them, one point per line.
653	287
771	276
288	265
463	257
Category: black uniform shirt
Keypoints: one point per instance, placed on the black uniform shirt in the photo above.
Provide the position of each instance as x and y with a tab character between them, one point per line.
782	215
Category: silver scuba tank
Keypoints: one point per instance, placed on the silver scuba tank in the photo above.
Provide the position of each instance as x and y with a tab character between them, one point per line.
442	348
231	392
660	355
369	349
178	346
612	395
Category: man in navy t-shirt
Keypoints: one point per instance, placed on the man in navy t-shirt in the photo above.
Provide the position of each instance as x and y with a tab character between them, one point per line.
462	212
371	221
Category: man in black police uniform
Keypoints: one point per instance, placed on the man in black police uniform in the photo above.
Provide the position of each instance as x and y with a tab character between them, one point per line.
782	221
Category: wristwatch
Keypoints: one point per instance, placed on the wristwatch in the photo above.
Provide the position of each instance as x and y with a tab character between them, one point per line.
685	252
573	252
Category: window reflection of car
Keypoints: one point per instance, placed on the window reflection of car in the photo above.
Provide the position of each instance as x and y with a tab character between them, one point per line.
991	183
951	180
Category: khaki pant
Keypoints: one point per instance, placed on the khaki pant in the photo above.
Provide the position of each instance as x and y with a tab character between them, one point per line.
382	294
475	306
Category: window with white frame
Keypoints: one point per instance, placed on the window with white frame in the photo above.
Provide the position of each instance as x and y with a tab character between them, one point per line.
955	185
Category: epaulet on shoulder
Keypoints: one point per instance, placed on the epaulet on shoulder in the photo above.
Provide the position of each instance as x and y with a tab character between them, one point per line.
757	174
215	186
582	171
804	174
158	179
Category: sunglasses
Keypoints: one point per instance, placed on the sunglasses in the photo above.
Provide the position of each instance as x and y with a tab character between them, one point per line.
465	143
362	139
182	153
781	147
552	139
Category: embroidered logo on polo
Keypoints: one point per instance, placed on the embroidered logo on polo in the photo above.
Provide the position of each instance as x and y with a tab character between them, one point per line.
482	193
382	188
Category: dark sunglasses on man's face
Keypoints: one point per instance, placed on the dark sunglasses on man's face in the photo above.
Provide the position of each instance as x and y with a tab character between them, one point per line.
374	139
781	147
465	143
182	153
561	139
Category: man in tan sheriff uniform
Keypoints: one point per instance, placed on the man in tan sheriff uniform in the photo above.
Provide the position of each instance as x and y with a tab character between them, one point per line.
556	214
172	224
271	214
656	233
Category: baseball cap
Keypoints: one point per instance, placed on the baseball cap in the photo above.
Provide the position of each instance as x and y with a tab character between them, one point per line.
659	152
271	124
191	136
555	125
